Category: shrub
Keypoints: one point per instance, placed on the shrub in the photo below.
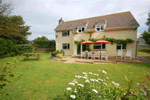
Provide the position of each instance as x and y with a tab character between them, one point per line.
18	50
5	46
94	86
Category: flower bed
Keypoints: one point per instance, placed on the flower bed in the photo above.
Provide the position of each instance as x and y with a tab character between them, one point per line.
92	86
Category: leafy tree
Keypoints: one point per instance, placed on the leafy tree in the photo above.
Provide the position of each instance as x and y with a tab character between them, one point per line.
44	42
12	27
148	22
146	35
6	8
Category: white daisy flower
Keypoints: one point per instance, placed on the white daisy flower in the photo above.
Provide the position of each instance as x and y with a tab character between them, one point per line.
90	73
71	83
81	85
99	70
69	88
100	79
87	81
104	72
95	90
105	83
72	96
107	78
84	73
137	83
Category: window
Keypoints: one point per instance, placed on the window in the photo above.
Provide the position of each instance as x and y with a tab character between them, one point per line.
99	27
98	46
121	46
65	33
65	46
81	29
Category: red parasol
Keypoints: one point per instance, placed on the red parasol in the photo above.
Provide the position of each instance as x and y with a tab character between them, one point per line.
87	42
101	41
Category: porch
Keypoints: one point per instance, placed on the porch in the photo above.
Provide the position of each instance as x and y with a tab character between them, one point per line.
111	59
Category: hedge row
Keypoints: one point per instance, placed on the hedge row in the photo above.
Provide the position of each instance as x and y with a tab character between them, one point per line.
7	47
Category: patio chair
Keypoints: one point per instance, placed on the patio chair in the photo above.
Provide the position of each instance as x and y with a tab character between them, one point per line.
119	54
83	54
97	55
128	54
104	55
90	54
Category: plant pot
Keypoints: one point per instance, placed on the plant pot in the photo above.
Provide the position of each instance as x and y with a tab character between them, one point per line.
53	54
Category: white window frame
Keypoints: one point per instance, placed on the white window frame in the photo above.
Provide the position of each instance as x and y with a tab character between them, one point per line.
99	26
99	44
68	33
66	45
80	29
121	47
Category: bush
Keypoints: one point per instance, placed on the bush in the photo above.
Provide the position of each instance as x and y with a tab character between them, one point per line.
57	51
95	86
18	50
5	46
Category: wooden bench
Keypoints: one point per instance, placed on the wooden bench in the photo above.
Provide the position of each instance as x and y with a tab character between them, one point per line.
30	54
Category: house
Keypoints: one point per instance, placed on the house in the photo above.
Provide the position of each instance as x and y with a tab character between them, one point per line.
142	43
119	25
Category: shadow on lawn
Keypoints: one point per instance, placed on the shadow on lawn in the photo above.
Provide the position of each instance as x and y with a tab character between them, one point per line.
30	59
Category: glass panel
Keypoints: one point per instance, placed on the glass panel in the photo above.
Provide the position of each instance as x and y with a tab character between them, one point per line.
79	30
68	33
97	46
64	46
103	46
82	29
68	46
98	29
118	46
123	46
102	27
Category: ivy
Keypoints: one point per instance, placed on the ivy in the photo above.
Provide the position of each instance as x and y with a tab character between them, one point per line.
78	42
119	41
112	40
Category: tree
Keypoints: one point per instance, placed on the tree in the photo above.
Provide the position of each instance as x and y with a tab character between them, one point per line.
12	27
41	41
146	35
148	22
44	42
6	8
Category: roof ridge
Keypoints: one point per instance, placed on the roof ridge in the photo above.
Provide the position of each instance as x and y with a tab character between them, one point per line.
98	16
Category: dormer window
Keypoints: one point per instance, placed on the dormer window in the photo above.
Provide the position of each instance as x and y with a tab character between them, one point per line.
99	27
65	33
81	29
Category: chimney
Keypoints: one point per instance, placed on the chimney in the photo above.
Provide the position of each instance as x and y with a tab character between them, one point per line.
61	20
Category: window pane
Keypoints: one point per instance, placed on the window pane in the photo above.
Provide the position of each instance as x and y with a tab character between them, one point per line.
102	27
123	46
98	29
103	46
118	46
79	30
64	46
68	33
82	29
97	46
68	46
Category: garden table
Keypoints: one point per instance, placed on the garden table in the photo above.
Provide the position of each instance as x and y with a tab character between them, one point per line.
30	54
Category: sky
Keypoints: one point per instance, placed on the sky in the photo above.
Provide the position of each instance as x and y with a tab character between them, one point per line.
43	15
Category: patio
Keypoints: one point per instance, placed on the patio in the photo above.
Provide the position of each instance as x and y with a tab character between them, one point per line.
77	59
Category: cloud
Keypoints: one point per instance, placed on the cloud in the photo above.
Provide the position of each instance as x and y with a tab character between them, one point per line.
43	15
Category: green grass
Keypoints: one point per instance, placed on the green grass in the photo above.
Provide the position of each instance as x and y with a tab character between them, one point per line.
143	51
44	79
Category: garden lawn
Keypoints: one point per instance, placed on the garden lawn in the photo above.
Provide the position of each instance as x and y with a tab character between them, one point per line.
45	79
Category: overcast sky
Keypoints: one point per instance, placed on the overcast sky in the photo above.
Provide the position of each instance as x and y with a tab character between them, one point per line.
43	15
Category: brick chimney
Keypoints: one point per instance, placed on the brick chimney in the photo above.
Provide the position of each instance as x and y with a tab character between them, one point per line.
61	20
